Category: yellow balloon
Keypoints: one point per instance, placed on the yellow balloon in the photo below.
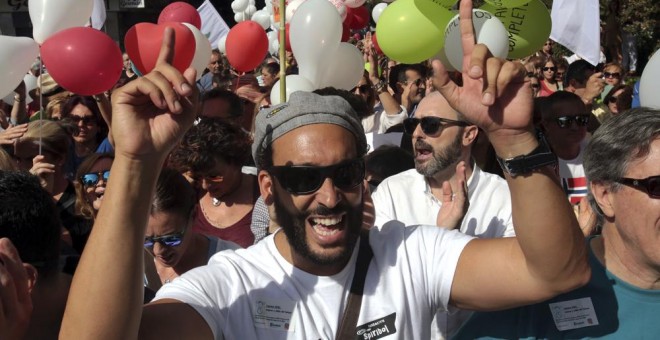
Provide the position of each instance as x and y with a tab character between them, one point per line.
411	31
529	26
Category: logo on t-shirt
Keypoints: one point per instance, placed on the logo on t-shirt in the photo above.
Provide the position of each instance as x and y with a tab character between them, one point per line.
378	328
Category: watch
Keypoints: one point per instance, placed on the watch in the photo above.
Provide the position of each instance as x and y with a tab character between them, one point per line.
540	157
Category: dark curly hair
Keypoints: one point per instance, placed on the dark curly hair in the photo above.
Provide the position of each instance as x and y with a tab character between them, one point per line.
211	140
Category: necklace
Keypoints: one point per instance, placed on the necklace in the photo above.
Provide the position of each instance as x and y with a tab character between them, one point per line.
171	277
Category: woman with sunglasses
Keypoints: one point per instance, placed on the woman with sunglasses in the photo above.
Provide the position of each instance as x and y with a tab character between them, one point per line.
91	129
212	154
548	82
174	248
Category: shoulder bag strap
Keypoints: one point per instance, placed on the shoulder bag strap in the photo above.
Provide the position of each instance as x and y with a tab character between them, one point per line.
348	323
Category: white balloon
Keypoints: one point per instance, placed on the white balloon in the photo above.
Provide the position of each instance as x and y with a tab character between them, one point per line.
251	9
354	3
16	57
489	30
202	50
650	83
341	8
294	82
262	18
377	11
239	5
238	17
345	68
442	56
269	7
30	84
292	7
222	45
315	33
49	17
274	47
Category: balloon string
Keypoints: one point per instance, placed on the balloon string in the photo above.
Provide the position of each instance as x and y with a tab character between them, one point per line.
41	100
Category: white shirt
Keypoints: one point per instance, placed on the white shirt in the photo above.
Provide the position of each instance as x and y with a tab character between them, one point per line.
380	121
255	293
573	178
407	197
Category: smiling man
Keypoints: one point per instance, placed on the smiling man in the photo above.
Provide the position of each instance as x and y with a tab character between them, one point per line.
298	283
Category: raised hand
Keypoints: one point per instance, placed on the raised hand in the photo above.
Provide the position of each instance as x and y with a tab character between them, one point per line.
494	95
44	171
15	300
12	134
153	112
454	203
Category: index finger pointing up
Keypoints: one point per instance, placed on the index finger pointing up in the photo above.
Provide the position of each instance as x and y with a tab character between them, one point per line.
467	32
166	54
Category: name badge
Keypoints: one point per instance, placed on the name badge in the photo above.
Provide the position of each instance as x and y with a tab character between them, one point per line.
273	314
573	314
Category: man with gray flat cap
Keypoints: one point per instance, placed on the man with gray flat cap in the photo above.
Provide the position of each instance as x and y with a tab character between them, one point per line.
319	276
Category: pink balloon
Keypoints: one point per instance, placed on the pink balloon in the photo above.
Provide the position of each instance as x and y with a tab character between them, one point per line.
180	12
82	60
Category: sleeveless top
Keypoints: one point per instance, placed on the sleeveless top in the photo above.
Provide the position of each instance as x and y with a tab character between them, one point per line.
239	233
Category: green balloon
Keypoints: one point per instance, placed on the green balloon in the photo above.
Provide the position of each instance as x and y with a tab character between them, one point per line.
507	3
529	26
411	31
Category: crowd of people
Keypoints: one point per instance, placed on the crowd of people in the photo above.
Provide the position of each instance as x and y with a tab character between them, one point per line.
514	199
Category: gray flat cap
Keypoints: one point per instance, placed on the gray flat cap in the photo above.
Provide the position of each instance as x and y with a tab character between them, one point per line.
305	108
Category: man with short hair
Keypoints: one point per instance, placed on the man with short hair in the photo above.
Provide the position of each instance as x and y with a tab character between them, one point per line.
564	124
622	299
441	139
215	67
221	103
581	79
295	283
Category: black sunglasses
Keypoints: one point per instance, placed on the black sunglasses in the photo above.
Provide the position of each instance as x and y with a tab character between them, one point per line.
93	178
650	185
553	69
306	179
535	85
430	125
363	88
612	75
612	99
565	121
85	119
169	240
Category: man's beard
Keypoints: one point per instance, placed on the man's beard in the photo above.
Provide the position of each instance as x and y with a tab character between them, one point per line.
442	159
293	224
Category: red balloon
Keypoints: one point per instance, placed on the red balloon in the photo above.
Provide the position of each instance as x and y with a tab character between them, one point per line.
374	41
143	43
82	60
359	17
180	12
346	31
288	40
246	45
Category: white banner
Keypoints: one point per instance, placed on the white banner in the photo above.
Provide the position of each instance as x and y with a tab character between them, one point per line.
213	26
576	25
98	14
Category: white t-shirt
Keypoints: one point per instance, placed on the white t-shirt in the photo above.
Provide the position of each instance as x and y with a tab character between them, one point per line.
407	197
255	293
573	178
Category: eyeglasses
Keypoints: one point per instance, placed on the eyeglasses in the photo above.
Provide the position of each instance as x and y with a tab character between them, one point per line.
609	75
430	125
530	74
169	240
565	121
362	88
650	185
306	179
553	69
85	119
93	178
535	85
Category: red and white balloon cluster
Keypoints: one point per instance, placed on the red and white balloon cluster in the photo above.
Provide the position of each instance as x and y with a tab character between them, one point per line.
81	59
323	60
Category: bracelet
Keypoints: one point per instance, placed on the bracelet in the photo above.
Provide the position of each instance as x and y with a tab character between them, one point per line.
380	86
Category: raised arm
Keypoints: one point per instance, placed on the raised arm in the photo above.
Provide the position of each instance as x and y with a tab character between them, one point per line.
150	115
548	256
